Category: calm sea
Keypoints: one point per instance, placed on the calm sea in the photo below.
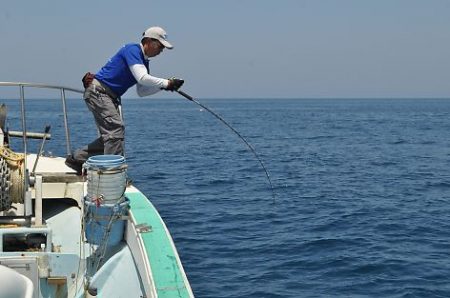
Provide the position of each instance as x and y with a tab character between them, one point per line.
362	192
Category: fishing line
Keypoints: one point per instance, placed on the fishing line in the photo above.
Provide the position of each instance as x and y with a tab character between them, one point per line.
187	96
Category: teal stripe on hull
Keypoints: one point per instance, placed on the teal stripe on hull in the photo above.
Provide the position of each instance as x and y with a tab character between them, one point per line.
166	271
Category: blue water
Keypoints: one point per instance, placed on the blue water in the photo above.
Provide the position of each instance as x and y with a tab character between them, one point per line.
362	192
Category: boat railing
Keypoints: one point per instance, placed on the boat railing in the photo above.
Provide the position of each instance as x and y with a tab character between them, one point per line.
22	86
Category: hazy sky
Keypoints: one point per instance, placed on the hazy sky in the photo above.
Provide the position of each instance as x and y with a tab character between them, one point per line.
246	48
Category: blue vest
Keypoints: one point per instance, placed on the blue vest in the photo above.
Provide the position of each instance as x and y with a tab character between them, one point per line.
116	73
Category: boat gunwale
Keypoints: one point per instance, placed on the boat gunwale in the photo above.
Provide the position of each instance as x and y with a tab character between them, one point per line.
159	256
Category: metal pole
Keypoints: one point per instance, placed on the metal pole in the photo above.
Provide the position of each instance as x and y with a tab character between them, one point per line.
47	129
38	201
24	126
66	122
24	129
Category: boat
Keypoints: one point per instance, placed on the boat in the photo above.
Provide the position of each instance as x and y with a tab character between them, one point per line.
69	235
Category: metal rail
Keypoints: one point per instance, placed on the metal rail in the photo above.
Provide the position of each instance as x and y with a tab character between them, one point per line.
37	85
22	86
63	90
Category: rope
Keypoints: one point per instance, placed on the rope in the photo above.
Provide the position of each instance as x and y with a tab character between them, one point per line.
11	156
5	183
12	178
99	225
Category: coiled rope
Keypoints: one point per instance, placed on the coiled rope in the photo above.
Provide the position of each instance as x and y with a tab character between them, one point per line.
12	177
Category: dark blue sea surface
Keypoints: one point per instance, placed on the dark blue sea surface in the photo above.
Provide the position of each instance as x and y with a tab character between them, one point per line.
362	191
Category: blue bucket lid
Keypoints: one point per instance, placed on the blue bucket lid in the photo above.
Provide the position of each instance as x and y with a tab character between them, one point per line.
105	162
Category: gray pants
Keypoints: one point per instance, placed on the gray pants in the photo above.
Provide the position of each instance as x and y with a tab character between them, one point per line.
109	123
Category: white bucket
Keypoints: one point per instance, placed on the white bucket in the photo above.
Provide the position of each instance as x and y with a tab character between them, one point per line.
106	178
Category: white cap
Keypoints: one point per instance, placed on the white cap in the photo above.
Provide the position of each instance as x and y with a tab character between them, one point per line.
159	34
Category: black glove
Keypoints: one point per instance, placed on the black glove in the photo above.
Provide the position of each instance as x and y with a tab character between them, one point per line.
174	84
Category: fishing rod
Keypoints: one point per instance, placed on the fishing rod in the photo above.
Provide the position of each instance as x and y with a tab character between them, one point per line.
187	96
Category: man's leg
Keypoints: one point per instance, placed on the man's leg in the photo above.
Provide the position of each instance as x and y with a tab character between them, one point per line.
110	125
109	122
94	148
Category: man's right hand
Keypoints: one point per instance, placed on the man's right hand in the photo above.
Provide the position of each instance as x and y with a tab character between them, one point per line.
87	79
174	84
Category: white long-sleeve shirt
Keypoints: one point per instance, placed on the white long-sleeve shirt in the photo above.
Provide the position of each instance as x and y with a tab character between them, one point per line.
146	83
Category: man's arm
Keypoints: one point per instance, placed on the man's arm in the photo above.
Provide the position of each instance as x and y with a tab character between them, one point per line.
146	83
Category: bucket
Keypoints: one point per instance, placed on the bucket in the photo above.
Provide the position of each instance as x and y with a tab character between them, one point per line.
106	177
103	222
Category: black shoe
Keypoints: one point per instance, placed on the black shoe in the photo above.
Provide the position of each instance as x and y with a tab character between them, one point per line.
74	164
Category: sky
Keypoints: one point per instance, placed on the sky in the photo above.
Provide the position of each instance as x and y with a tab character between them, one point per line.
240	48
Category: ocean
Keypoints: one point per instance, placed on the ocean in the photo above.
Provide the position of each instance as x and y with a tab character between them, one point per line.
362	191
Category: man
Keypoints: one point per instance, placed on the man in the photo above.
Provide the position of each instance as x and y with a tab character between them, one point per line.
128	67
